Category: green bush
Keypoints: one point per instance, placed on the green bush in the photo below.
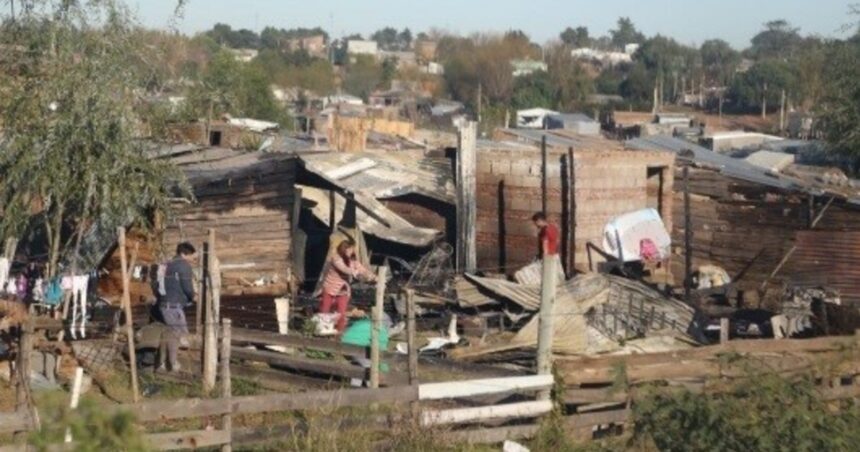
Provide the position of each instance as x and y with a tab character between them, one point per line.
93	428
764	413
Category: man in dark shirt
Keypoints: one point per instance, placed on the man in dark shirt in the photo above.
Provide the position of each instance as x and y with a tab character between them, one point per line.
178	293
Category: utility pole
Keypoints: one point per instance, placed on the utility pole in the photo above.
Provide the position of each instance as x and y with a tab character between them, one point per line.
688	236
466	202
764	101
480	95
782	112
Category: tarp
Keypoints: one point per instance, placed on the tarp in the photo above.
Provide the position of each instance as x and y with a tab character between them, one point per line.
630	229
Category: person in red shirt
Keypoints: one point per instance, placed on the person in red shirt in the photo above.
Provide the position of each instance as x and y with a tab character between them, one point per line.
548	235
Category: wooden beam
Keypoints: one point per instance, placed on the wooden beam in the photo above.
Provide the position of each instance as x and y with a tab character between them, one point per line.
241	335
195	439
164	410
321	366
16	421
376	326
226	382
466	200
129	322
302	401
546	317
210	327
688	237
507	411
471	388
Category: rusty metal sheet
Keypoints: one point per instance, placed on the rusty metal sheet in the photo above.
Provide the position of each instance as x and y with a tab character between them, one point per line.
830	259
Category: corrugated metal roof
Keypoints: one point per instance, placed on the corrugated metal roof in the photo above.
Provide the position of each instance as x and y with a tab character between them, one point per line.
559	138
740	169
398	229
393	174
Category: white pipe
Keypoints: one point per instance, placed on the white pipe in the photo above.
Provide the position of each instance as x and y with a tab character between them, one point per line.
461	415
471	388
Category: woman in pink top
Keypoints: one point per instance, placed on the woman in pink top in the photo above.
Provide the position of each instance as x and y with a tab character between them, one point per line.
341	269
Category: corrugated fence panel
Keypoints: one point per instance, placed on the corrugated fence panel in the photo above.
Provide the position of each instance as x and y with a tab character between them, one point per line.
828	258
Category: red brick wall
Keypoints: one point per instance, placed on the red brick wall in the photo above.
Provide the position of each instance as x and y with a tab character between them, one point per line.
608	183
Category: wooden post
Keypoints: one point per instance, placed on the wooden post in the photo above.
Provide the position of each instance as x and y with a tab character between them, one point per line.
201	295
76	397
724	330
25	349
210	324
129	320
782	112
466	204
376	319
543	175
688	237
413	347
545	319
214	278
226	382
571	177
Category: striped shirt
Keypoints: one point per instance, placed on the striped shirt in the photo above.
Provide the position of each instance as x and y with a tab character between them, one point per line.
339	274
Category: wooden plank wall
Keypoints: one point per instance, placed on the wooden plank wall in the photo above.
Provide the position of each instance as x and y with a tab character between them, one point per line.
251	213
734	221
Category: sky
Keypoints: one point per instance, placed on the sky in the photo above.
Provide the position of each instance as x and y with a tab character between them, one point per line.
690	22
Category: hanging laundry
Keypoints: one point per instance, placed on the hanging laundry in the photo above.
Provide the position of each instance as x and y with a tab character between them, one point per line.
4	272
11	286
22	287
38	291
79	303
54	292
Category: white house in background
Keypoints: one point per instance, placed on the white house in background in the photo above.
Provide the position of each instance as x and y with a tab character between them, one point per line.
526	67
533	118
630	49
362	47
605	58
433	68
341	99
244	55
734	140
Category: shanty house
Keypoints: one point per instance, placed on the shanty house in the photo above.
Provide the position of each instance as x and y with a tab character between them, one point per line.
766	229
606	181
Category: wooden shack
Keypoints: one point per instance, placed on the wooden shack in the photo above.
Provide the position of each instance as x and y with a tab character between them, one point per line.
247	198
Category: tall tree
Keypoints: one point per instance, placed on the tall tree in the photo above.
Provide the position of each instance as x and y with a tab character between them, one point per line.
778	40
72	155
719	59
839	109
576	38
625	33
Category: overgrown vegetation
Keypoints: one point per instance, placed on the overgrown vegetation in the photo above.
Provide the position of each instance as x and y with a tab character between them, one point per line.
92	428
72	153
767	412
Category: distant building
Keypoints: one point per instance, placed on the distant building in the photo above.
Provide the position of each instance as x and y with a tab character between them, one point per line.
425	51
527	67
630	49
314	45
404	59
602	57
244	55
575	122
361	47
433	68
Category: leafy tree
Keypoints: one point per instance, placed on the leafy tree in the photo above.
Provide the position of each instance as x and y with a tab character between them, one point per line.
720	60
576	38
238	39
404	39
764	81
839	109
609	81
639	85
571	83
231	87
778	40
363	76
533	90
71	151
625	33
